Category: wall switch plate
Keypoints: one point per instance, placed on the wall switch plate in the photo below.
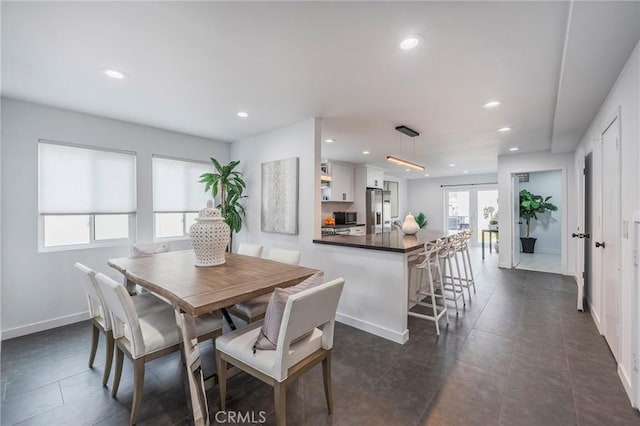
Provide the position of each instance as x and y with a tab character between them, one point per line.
625	229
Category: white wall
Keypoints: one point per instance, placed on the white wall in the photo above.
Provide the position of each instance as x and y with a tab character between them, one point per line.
548	228
298	140
427	195
625	96
43	290
538	161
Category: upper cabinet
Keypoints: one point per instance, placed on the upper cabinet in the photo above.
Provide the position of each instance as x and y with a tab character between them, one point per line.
340	188
375	177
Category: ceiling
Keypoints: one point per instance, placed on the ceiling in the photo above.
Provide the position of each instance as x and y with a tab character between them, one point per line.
192	66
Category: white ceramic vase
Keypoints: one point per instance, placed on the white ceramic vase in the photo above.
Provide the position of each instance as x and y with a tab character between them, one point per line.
410	226
209	237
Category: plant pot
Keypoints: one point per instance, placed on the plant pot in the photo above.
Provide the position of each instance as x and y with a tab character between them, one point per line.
528	244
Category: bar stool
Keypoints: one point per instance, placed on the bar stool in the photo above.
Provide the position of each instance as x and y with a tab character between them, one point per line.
463	249
451	279
427	289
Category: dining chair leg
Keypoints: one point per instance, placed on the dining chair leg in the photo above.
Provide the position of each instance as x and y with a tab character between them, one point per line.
433	299
280	397
444	300
108	358
326	376
455	258
138	385
94	344
118	372
221	369
453	285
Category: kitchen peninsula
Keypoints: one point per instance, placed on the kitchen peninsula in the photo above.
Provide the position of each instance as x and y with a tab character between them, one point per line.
376	269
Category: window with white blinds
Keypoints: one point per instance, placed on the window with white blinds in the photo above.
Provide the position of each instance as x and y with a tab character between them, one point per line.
84	180
177	194
86	196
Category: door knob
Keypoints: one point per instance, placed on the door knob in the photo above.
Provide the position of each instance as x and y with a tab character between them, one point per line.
600	244
574	235
587	235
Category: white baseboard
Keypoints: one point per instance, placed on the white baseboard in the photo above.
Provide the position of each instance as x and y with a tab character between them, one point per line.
385	333
626	382
23	330
595	317
506	265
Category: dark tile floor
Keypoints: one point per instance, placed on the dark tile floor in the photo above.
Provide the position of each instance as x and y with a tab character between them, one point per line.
520	354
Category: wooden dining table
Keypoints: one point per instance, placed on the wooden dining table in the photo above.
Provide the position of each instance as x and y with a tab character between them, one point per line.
194	291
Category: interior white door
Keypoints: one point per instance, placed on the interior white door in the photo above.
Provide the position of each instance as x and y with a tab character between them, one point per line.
515	231
611	233
582	172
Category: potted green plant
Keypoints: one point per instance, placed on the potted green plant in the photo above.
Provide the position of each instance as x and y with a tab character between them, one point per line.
229	184
530	206
422	220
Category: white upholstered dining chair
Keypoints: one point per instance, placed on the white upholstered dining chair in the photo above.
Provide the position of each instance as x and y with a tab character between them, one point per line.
145	337
101	319
254	309
305	339
247	249
291	257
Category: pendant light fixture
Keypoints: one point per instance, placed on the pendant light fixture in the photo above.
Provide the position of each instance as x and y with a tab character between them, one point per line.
401	161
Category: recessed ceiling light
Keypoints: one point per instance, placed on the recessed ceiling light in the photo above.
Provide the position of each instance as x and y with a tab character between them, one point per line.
407	170
330	140
243	114
491	104
410	42
504	129
426	175
115	74
365	152
452	165
466	171
515	148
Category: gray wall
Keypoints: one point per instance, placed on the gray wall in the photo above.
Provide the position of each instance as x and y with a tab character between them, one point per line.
427	195
43	290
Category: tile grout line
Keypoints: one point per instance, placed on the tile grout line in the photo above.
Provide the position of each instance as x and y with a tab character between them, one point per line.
504	391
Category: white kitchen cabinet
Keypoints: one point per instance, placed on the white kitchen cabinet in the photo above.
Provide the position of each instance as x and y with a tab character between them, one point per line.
375	177
358	230
341	182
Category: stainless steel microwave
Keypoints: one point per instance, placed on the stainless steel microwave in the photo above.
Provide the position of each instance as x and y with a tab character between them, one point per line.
345	218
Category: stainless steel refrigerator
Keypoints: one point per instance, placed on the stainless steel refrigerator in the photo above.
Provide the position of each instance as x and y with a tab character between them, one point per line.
378	211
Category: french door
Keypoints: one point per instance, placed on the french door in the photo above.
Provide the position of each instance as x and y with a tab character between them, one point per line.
471	208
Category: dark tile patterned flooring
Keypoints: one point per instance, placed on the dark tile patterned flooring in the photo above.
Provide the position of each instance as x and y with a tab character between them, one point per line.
519	354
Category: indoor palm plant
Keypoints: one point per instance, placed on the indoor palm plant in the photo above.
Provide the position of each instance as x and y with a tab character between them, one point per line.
530	206
229	184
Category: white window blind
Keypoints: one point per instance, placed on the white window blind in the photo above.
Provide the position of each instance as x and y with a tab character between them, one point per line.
176	186
83	180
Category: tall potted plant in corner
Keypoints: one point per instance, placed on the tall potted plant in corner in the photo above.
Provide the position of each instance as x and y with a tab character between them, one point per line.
229	184
530	206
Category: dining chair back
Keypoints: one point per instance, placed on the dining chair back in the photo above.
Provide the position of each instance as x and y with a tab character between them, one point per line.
144	337
305	340
285	256
247	249
148	249
255	309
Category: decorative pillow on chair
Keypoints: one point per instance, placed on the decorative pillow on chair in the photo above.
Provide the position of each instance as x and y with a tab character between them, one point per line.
268	337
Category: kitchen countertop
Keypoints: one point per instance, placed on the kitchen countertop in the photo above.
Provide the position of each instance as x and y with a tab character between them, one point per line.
342	226
394	241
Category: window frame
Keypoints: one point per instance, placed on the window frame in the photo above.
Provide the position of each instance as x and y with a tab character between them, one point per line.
185	236
93	243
